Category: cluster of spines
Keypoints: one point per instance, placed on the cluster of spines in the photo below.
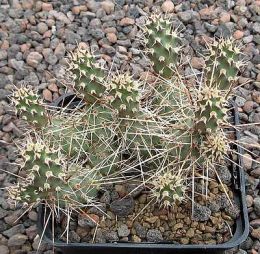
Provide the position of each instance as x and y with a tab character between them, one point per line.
87	74
163	45
124	95
214	147
168	188
29	106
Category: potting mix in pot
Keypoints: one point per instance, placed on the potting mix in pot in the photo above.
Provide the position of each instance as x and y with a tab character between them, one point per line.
141	161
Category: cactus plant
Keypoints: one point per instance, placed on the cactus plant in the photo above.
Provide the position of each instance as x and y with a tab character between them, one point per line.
125	122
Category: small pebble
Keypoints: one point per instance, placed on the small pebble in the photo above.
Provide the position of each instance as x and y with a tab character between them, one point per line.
167	6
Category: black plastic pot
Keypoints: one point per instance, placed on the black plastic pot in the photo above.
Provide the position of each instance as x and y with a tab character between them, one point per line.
69	101
240	234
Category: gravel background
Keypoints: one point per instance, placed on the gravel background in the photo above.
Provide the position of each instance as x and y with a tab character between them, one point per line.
34	38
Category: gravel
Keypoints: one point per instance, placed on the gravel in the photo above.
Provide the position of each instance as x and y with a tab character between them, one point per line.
35	37
122	207
14	230
111	236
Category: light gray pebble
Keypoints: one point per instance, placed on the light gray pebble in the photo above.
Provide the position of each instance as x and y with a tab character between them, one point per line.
224	174
201	213
17	240
3	213
140	230
42	28
154	235
123	230
111	236
233	211
4	249
257	205
14	230
214	206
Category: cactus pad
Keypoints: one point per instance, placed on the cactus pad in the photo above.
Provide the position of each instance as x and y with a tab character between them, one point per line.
163	45
124	95
29	106
88	75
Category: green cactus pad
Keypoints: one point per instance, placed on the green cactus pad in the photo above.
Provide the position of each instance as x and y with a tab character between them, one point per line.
223	64
163	45
67	134
124	95
29	106
51	180
211	112
88	75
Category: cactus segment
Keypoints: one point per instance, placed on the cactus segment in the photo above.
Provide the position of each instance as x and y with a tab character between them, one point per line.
29	106
124	95
211	112
214	147
68	135
88	75
163	45
168	188
223	64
